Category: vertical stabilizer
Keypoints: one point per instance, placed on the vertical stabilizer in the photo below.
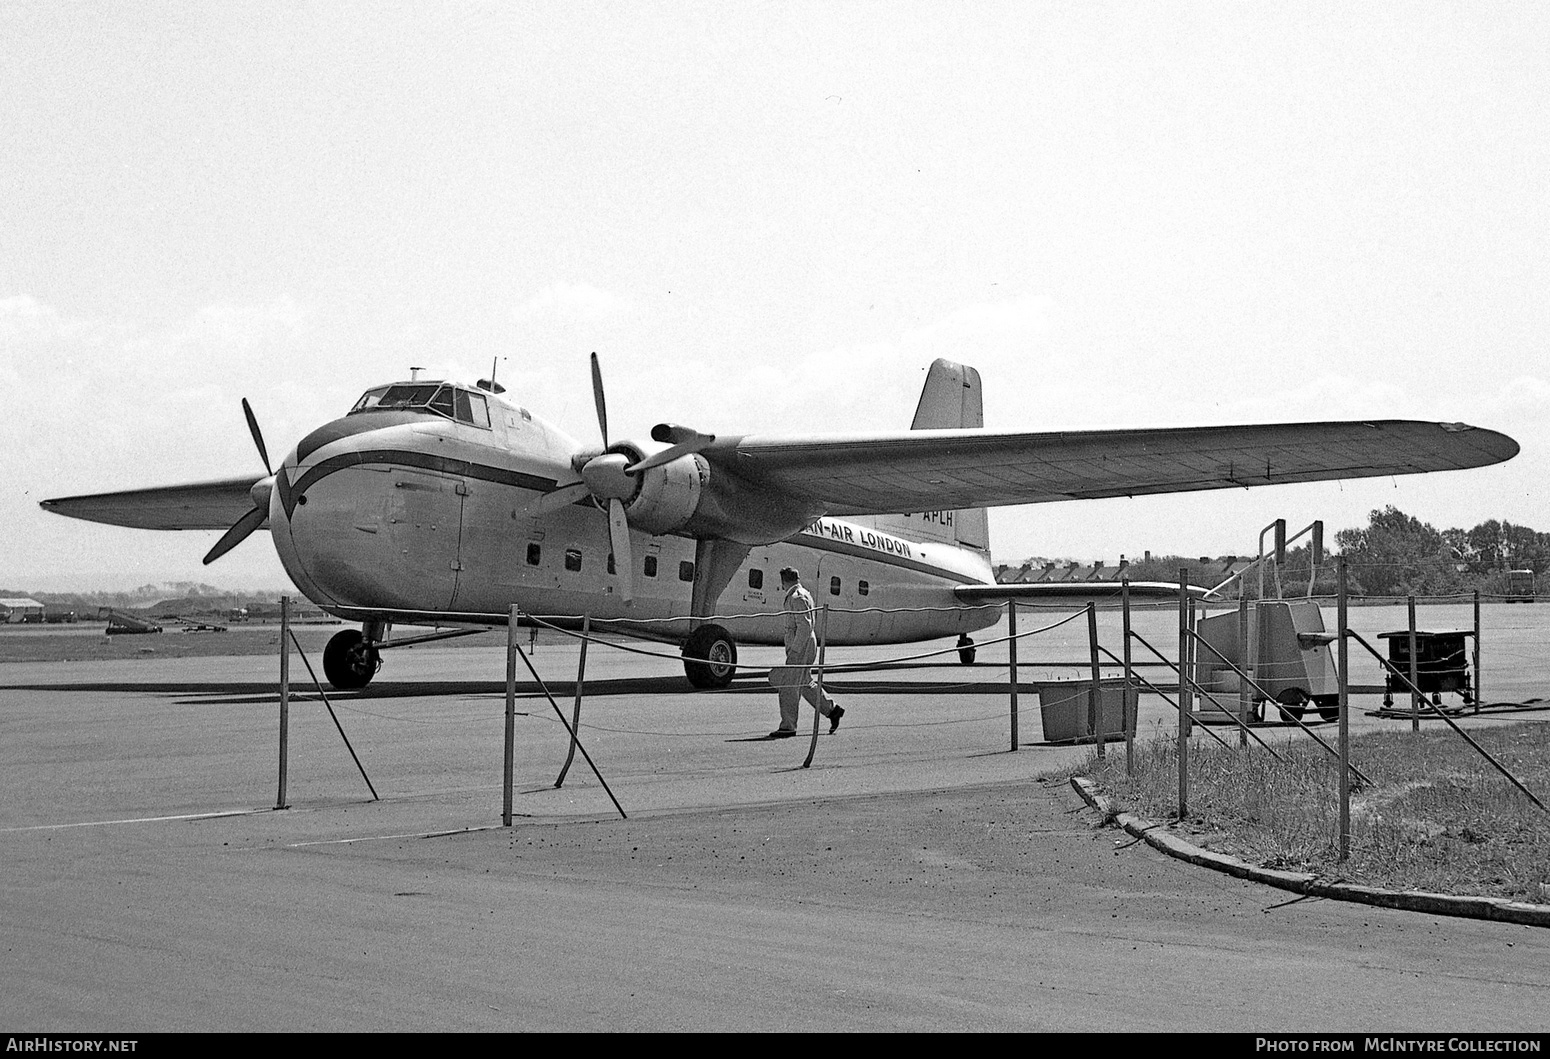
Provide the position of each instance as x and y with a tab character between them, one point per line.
950	400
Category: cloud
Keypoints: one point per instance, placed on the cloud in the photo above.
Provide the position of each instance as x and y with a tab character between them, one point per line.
25	321
570	302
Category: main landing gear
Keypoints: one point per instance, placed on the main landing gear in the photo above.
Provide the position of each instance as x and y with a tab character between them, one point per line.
350	660
710	657
965	650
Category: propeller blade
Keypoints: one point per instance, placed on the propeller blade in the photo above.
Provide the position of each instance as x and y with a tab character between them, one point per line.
619	540
597	397
258	438
558	499
237	534
683	448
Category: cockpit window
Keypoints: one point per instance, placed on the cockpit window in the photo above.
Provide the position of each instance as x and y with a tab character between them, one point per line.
471	408
370	399
441	401
449	401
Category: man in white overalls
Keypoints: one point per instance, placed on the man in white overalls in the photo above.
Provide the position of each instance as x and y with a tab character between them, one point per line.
794	681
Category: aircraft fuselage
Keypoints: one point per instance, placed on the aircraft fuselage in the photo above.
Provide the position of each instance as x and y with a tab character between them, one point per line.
412	512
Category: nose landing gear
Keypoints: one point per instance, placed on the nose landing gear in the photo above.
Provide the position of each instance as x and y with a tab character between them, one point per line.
350	660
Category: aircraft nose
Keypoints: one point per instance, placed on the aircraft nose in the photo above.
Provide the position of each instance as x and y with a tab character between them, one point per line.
350	426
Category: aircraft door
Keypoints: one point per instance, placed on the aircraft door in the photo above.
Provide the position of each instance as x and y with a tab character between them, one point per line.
424	525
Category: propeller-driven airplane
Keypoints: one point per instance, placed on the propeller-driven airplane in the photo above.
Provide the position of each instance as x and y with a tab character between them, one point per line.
432	502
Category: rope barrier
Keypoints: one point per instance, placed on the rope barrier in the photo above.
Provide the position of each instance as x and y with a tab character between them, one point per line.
850	667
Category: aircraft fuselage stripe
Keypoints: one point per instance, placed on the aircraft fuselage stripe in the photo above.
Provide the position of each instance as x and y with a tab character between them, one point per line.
290	492
823	544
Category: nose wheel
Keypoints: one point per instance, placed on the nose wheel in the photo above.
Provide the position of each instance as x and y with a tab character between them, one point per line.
350	660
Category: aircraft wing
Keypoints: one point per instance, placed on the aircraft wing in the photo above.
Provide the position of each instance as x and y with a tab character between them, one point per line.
936	470
200	505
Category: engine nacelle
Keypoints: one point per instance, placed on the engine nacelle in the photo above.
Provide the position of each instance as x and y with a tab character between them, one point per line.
668	496
690	497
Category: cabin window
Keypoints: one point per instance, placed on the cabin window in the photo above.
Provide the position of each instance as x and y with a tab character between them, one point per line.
756	579
535	553
611	568
834	586
573	559
686	571
651	566
863	587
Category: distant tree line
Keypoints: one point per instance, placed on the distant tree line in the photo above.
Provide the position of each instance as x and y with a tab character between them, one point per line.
1399	555
1395	554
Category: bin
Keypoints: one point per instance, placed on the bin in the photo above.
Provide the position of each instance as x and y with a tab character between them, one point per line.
1441	663
1065	705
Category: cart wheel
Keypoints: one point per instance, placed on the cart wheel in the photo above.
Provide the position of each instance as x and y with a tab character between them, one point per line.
1436	698
1328	706
1290	704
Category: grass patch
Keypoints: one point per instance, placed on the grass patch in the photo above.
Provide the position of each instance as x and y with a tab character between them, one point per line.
1438	817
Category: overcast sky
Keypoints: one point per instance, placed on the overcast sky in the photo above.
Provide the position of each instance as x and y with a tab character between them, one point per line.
767	217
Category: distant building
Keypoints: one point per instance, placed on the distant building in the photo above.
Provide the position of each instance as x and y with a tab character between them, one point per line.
16	611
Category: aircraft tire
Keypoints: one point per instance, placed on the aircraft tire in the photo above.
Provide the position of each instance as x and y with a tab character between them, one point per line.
349	661
710	657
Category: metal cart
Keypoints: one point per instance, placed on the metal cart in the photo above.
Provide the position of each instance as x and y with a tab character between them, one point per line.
1441	664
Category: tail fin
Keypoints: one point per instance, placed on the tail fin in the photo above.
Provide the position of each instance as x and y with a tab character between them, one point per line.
951	399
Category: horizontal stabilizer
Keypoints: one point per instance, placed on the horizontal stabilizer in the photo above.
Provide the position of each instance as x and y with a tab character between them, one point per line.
1074	591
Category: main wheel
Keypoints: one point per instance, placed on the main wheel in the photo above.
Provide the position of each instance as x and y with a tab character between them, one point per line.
965	651
710	657
350	660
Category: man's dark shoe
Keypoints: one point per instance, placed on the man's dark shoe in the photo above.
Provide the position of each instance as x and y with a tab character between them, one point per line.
784	733
834	717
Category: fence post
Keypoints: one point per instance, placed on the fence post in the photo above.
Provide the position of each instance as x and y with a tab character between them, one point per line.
1477	650
1345	718
1185	704
581	676
823	641
1415	698
511	711
1245	694
1011	631
1130	720
285	696
1095	709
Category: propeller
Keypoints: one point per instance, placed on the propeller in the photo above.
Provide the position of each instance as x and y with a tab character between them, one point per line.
688	442
260	493
610	477
605	479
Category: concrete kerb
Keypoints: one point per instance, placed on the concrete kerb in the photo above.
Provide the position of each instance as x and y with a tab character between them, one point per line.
1308	884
